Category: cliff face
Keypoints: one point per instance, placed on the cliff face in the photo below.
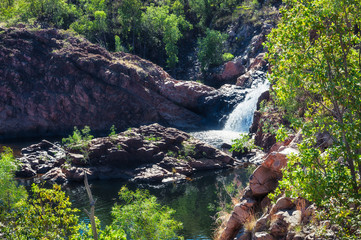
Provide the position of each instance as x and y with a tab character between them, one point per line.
51	81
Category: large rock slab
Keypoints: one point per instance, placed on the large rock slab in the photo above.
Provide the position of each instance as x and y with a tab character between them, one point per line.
151	153
52	81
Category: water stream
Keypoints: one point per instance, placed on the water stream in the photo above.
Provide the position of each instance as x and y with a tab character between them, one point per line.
240	120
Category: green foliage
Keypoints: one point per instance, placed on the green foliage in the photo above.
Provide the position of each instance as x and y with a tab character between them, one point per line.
242	144
164	26
10	193
188	149
315	53
108	233
142	217
208	11
56	13
112	131
46	215
79	139
281	134
152	138
210	48
118	44
227	57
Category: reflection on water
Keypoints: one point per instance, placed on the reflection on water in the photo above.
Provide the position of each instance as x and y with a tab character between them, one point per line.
191	199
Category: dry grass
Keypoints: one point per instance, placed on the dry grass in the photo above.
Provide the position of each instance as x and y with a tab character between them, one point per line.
250	224
221	221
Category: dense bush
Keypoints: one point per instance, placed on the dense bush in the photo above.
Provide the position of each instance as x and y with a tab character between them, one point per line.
142	217
315	54
210	48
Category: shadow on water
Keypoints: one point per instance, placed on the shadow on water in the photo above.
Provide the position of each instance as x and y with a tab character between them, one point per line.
191	199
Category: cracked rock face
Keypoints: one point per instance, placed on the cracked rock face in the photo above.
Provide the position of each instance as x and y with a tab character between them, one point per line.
51	81
150	153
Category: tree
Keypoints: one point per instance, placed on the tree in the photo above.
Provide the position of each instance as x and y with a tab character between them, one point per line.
142	217
10	193
210	48
316	57
165	27
129	16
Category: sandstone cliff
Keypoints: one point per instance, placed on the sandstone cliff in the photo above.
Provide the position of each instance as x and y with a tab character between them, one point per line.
51	81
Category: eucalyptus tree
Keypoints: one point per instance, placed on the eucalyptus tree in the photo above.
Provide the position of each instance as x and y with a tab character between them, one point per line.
315	54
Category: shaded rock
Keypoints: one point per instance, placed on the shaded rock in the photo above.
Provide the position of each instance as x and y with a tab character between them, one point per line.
264	97
55	175
241	213
26	172
279	227
262	224
258	63
150	153
282	221
245	236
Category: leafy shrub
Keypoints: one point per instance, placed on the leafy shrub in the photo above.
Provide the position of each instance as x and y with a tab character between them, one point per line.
46	215
281	134
227	57
10	193
242	144
142	217
314	52
79	139
210	48
112	131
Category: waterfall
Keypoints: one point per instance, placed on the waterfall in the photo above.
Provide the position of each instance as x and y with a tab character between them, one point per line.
241	118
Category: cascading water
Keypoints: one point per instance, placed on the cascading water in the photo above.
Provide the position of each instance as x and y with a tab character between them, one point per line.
241	118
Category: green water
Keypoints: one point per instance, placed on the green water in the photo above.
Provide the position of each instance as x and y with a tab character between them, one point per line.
195	201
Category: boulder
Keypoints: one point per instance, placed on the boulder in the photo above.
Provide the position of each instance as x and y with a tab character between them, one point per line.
241	213
263	181
55	175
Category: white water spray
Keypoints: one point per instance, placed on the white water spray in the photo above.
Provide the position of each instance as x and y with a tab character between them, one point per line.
241	118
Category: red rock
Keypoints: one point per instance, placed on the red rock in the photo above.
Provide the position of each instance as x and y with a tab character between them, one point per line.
278	160
67	82
232	70
263	181
244	80
283	203
258	63
240	214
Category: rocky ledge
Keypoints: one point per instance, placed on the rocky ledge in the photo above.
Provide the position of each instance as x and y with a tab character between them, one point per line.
150	153
52	80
